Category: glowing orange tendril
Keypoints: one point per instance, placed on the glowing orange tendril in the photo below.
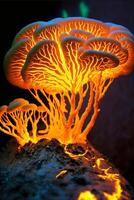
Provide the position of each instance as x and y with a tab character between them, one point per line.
86	195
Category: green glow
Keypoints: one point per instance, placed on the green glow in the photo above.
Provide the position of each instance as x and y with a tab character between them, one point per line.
64	13
84	9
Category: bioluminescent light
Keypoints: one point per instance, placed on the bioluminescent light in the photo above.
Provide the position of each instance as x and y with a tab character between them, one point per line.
65	60
16	118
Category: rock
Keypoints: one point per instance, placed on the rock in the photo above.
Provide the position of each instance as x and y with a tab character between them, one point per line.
49	171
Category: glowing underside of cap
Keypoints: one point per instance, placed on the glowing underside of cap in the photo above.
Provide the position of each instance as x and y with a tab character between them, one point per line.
63	54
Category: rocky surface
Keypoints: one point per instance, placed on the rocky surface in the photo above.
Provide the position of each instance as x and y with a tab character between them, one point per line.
33	173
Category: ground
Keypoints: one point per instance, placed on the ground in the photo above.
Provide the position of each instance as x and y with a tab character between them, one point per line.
33	172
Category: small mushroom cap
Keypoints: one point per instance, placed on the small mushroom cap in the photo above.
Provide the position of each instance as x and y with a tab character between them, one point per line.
98	60
14	61
27	32
17	104
3	109
16	56
81	34
42	70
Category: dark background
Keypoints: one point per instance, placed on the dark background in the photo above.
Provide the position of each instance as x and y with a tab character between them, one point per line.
113	133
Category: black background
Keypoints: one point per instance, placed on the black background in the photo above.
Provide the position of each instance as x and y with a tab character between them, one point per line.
116	143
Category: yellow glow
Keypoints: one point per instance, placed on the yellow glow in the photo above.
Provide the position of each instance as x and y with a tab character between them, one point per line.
71	155
114	178
15	119
61	173
86	195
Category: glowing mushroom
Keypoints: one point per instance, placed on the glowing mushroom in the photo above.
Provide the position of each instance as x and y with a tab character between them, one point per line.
17	117
68	59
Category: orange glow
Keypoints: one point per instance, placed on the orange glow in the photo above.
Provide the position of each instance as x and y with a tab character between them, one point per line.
114	178
109	176
75	156
61	173
15	119
86	195
62	63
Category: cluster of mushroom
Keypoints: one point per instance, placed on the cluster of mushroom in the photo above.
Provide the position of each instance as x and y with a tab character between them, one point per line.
63	62
21	120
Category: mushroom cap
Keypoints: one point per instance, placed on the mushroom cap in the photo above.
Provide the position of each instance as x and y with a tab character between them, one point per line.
41	109
16	56
61	54
28	107
3	109
16	104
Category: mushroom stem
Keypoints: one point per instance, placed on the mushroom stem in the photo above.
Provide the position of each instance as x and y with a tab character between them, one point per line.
87	110
105	87
96	88
37	97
